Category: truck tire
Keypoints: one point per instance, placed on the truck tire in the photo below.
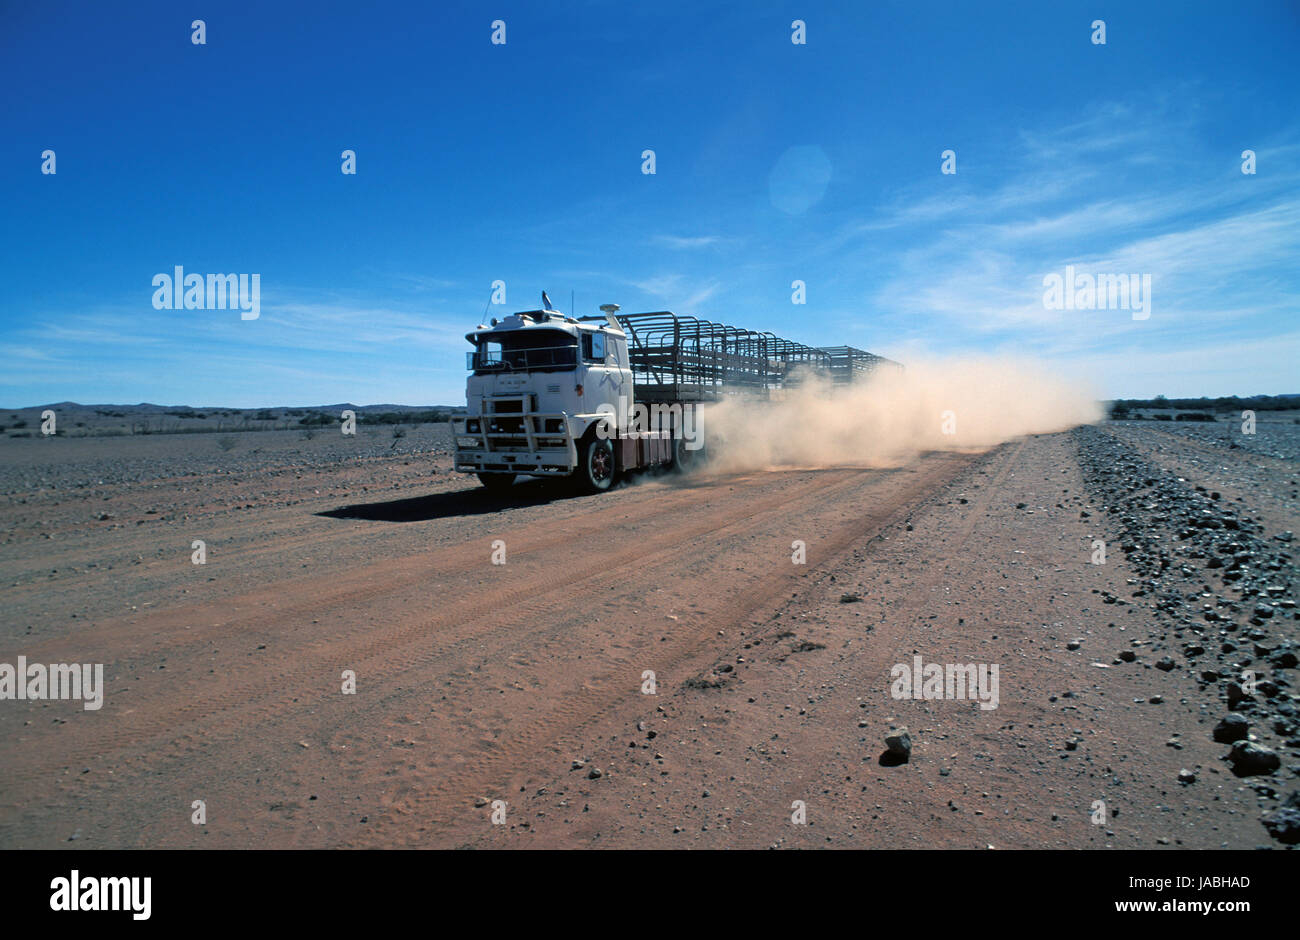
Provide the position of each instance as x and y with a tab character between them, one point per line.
595	472
496	482
684	459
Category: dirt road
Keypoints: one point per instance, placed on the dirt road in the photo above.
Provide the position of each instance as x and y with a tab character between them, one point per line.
526	681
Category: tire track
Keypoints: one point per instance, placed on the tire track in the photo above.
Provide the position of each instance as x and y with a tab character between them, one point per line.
262	695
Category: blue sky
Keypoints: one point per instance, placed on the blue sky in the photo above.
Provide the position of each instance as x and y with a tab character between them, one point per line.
522	162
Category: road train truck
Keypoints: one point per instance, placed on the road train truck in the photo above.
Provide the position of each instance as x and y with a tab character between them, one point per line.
555	395
589	398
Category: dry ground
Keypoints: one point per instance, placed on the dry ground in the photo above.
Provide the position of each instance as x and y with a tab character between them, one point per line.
479	682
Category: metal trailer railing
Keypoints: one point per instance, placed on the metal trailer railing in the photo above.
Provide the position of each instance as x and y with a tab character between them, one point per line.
848	364
679	357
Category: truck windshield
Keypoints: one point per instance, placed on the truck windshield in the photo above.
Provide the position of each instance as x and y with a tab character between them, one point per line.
524	351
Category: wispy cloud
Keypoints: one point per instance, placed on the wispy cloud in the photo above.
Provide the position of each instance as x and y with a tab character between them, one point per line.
679	292
1220	247
687	242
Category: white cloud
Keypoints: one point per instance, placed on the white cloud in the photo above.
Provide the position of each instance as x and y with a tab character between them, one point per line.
687	242
678	291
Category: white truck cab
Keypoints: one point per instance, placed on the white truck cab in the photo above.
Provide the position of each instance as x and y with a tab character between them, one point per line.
539	382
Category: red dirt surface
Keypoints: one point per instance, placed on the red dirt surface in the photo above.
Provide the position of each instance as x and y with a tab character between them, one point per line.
478	682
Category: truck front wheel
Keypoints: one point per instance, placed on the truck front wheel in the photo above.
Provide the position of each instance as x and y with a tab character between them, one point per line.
595	472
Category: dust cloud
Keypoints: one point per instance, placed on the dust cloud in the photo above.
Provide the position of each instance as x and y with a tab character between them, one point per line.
958	404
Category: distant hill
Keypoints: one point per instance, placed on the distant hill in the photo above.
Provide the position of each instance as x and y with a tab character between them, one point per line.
150	408
77	420
1224	403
